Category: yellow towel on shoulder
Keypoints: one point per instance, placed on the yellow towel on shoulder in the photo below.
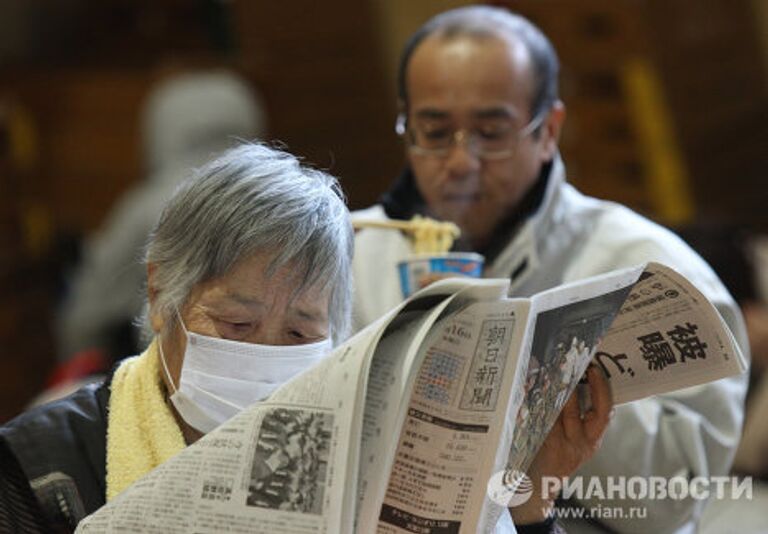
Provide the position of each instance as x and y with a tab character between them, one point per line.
141	430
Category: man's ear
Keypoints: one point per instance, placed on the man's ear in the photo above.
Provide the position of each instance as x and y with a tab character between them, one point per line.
401	107
155	317
401	122
550	133
401	119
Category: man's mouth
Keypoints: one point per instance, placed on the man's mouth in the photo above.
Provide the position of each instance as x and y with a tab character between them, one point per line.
461	198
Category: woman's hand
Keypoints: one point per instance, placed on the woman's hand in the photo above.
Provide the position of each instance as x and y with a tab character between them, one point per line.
573	440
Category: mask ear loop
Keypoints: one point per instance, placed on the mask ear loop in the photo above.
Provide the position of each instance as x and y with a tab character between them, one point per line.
162	353
165	366
181	322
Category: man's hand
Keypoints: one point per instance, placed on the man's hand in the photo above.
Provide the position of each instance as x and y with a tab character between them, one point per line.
573	440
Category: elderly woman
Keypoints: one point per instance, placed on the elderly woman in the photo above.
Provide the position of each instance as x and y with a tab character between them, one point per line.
248	284
248	277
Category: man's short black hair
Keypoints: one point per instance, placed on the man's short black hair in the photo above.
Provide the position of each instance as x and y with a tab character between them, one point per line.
487	21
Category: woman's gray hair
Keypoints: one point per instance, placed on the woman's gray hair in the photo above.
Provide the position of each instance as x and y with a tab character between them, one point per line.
253	198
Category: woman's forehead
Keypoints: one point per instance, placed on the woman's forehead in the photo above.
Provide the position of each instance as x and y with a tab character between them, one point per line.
254	284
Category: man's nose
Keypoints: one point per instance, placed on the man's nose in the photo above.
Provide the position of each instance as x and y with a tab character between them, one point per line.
462	157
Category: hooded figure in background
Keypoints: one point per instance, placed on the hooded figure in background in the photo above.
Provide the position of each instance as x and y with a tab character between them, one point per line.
186	119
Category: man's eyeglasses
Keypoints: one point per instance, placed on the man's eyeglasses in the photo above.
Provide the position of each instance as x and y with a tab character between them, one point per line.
492	142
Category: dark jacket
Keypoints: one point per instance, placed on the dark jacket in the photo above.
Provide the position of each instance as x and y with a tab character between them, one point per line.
59	449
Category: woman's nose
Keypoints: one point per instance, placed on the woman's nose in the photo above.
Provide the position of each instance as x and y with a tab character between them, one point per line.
266	335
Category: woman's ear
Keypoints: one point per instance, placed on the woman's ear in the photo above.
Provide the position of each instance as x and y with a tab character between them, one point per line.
155	317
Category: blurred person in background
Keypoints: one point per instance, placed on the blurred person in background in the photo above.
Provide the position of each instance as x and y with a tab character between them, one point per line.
188	117
480	118
735	254
248	283
738	255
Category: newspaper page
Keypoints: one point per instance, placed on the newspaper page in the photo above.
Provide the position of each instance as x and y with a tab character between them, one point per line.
284	465
666	336
447	443
648	328
389	379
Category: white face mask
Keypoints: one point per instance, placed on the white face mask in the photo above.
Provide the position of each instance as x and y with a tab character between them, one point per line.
220	377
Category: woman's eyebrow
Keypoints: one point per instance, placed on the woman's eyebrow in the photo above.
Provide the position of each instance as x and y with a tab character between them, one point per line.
304	314
249	302
310	315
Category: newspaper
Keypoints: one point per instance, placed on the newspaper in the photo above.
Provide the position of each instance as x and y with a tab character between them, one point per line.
400	429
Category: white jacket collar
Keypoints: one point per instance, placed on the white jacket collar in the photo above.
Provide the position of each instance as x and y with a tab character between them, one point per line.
524	251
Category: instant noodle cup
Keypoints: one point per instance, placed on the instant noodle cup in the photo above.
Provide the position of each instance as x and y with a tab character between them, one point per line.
421	269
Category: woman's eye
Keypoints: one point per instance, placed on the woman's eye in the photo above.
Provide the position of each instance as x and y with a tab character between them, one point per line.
295	334
305	337
235	326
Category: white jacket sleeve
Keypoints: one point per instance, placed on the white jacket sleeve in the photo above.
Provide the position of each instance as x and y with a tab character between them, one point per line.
690	433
